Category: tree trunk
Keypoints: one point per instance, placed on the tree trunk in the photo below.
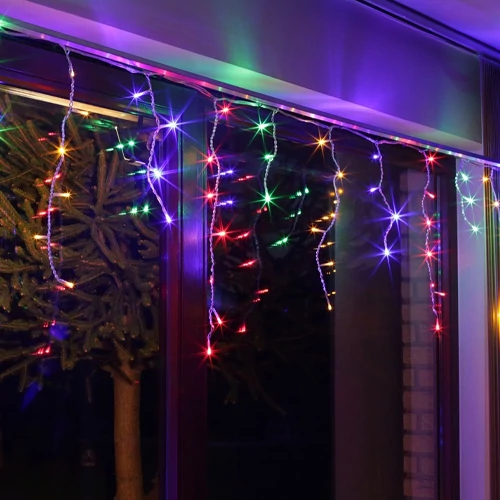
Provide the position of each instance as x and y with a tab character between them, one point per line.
127	435
1	444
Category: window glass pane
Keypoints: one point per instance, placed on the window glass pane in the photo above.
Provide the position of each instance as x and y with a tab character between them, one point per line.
79	410
297	392
269	413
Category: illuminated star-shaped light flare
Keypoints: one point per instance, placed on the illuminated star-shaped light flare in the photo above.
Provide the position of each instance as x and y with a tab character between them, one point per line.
154	137
394	214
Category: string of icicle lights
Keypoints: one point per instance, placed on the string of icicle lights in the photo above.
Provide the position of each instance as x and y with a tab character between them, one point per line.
431	248
153	172
222	108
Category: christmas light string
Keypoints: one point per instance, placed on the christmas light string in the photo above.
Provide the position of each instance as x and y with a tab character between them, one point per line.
212	312
460	180
57	174
296	215
496	202
337	175
429	253
267	200
469	201
394	215
305	191
270	158
152	145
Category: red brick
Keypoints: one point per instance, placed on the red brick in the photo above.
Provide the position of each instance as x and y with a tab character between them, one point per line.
419	488
426	378
405	290
405	313
407	487
418	355
418	444
418	400
410	422
427	422
409	378
408	334
425	332
421	291
410	465
427	466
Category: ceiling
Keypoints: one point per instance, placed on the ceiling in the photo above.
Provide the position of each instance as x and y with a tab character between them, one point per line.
478	19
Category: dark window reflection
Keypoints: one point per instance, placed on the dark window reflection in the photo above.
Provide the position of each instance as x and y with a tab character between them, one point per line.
67	353
269	413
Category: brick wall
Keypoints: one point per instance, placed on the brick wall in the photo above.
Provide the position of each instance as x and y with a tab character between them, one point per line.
419	355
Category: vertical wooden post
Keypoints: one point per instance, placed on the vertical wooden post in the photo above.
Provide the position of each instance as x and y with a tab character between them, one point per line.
183	272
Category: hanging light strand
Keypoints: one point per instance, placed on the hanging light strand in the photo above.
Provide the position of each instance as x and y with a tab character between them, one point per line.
270	158
380	190
427	248
299	209
336	176
152	146
496	202
212	312
57	173
267	200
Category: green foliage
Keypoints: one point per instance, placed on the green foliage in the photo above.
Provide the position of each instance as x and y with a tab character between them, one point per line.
110	255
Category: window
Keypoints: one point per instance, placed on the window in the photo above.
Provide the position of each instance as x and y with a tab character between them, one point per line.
360	394
81	358
330	374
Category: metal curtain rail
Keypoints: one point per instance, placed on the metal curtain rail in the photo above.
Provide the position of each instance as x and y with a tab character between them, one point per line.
421	22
